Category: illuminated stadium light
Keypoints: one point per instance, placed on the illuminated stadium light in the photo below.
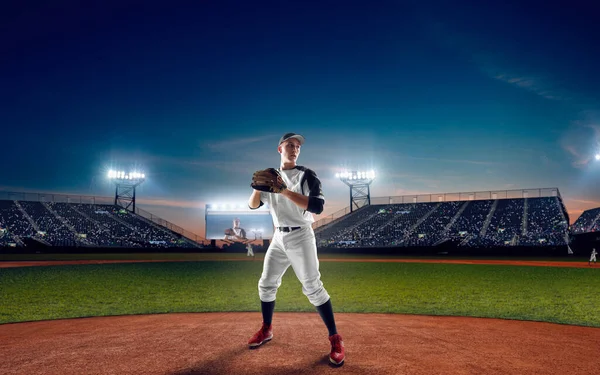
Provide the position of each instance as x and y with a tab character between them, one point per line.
597	156
233	207
356	175
128	176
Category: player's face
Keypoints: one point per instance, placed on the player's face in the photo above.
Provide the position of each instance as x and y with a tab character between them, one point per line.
236	223
290	150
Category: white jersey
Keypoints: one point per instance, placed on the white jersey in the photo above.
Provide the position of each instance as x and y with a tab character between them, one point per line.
286	213
235	234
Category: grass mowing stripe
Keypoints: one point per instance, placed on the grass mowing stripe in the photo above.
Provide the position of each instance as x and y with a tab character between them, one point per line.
561	295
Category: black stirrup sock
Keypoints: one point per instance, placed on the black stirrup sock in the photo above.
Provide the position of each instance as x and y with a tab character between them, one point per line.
267	309
326	312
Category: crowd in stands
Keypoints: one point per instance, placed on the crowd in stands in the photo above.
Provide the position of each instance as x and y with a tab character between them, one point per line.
475	223
69	224
433	228
336	232
49	228
468	226
405	216
589	221
546	224
13	223
506	224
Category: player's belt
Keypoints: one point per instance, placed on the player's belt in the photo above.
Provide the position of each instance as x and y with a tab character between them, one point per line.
287	229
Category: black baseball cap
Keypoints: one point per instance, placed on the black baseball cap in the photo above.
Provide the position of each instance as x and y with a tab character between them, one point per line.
287	136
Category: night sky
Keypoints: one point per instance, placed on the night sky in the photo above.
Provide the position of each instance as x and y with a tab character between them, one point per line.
434	96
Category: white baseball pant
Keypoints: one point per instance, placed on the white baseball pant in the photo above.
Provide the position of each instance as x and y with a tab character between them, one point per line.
299	250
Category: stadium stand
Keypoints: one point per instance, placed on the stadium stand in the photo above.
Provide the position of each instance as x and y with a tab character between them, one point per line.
49	229
470	224
342	230
432	229
402	224
475	223
505	225
77	224
589	221
14	224
546	224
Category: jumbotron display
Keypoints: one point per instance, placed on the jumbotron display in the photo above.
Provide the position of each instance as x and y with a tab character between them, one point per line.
237	223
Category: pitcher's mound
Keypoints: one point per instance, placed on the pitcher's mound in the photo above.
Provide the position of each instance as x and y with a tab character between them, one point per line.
215	343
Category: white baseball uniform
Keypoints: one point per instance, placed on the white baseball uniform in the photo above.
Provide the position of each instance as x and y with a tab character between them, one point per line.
293	243
235	234
250	251
593	256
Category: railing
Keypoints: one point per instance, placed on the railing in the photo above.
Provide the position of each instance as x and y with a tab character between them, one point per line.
88	199
469	196
56	198
448	197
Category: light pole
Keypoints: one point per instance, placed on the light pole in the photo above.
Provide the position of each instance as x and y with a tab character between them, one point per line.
126	182
359	182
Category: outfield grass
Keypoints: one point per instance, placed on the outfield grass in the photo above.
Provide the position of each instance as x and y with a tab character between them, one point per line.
560	295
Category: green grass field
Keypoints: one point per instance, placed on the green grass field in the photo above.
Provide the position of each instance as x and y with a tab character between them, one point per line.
238	256
560	295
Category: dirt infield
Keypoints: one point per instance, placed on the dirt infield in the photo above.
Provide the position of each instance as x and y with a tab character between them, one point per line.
9	264
215	343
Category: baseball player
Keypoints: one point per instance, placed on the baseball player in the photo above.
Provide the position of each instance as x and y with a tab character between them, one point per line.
592	257
236	233
293	243
250	252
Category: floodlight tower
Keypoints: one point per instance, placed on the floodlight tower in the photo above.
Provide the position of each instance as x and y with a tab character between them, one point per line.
359	183
126	182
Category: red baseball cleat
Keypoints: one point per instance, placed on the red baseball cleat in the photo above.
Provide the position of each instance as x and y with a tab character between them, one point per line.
337	354
263	335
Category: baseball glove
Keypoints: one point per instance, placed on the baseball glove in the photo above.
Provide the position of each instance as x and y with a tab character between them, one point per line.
268	180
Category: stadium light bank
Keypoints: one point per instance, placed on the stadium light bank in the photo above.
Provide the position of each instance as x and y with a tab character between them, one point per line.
359	183
234	207
126	182
356	175
122	175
